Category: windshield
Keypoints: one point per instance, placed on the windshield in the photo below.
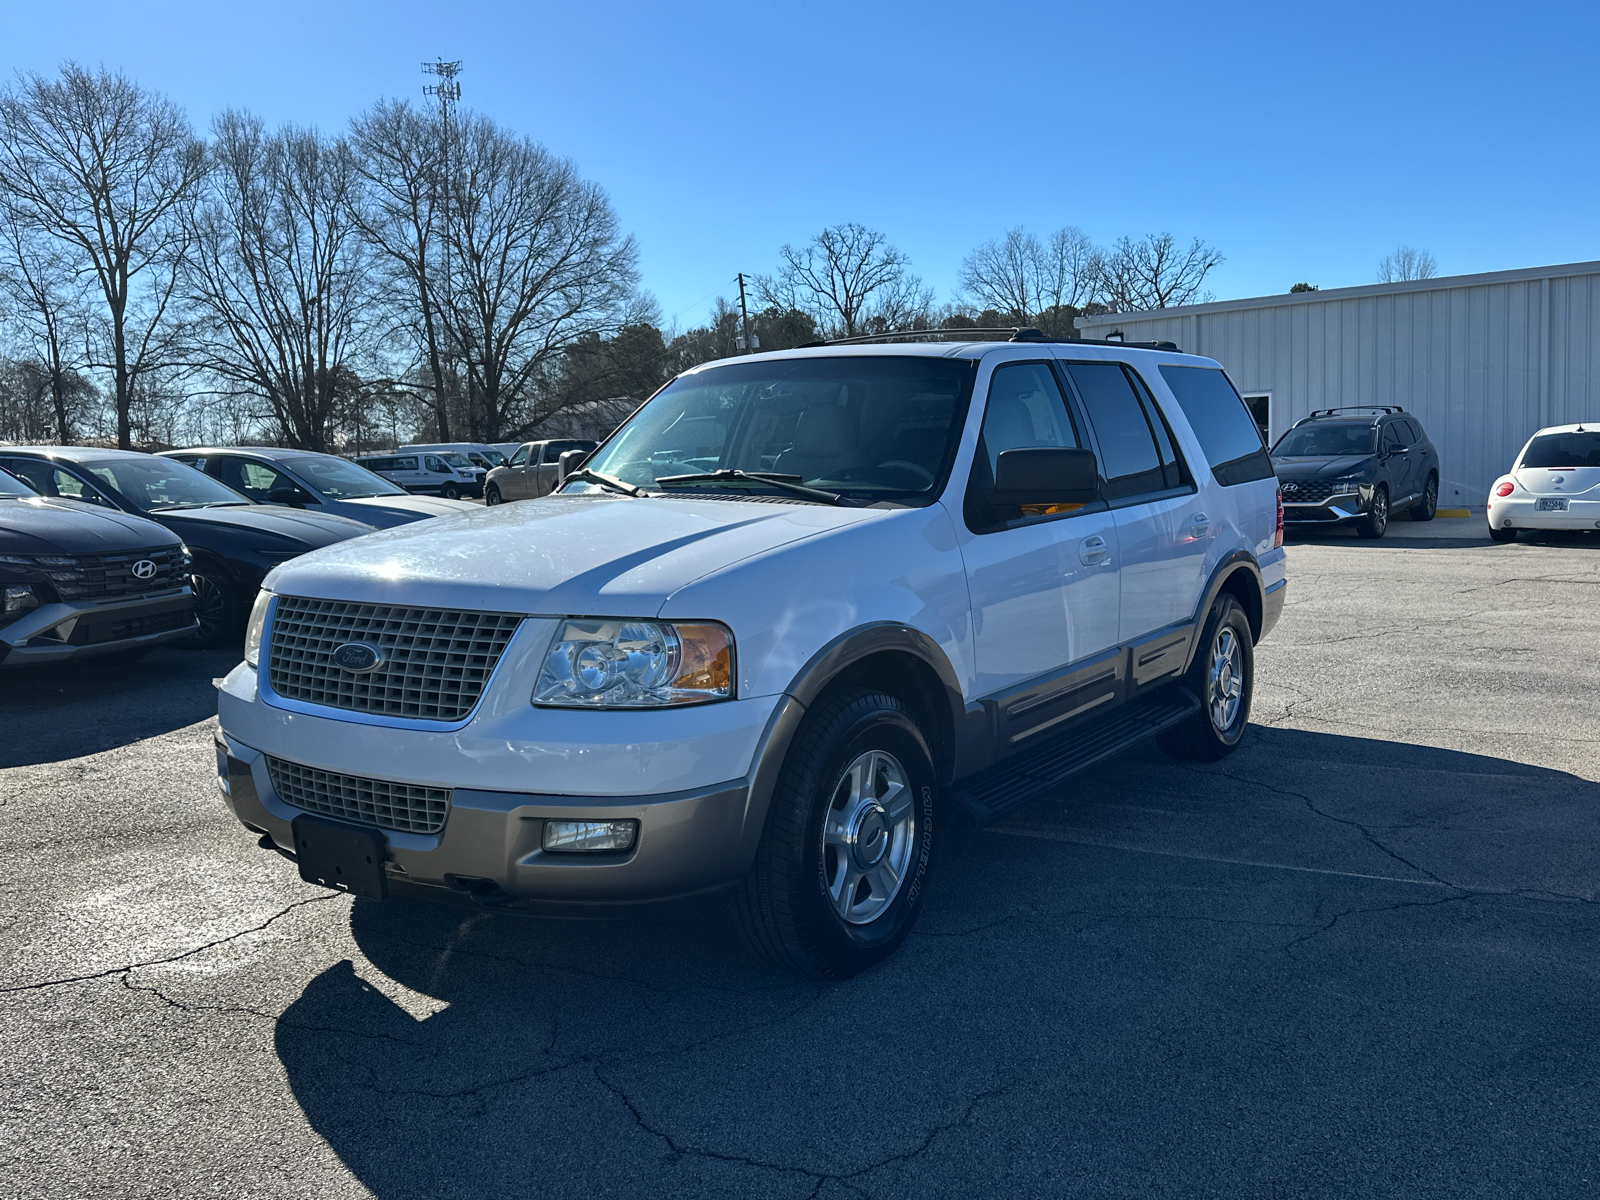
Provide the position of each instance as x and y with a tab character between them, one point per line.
157	483
12	488
868	427
1563	450
491	458
455	460
337	479
1324	441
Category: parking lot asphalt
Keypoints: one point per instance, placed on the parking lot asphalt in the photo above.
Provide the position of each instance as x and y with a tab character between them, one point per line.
1357	958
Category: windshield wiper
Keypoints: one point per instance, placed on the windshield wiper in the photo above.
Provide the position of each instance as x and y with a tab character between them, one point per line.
787	483
585	475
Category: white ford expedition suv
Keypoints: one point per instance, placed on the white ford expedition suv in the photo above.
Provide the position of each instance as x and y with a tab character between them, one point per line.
797	612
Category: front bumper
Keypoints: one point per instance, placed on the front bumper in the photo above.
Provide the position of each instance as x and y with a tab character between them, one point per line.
1335	510
1521	512
56	633
490	849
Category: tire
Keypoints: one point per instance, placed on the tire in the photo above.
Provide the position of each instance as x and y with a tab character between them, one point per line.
1223	675
491	495
450	492
218	609
1376	523
818	900
1429	504
1503	535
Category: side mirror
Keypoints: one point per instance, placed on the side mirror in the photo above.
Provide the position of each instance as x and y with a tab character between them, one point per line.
569	461
287	494
1045	476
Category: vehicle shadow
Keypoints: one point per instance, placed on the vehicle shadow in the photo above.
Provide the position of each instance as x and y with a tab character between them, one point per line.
1068	1010
48	714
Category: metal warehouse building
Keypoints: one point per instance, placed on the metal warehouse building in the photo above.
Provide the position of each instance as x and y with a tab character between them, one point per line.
1483	360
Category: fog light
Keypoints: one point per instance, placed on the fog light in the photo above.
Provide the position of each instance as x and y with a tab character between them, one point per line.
19	600
589	837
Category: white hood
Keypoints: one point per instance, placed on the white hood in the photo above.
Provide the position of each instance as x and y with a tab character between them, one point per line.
561	555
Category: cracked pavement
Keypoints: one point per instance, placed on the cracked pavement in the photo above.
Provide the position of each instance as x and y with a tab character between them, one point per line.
1355	958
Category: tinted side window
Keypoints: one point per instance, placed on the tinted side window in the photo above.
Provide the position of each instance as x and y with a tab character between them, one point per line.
1391	438
1172	468
1223	425
1025	409
1403	432
1129	460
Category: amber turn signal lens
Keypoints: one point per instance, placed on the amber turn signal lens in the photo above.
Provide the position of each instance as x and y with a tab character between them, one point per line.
705	659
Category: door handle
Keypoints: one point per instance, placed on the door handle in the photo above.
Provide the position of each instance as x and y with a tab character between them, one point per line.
1198	524
1093	550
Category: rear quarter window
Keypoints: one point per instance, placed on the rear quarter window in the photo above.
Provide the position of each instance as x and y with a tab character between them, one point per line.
1227	433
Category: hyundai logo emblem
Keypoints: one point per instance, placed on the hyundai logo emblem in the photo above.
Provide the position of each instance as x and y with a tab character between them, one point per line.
1291	487
143	569
357	657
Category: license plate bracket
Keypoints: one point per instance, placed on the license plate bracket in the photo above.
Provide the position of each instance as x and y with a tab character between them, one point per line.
1550	504
341	857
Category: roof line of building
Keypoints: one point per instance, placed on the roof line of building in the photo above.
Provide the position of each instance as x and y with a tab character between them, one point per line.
1350	293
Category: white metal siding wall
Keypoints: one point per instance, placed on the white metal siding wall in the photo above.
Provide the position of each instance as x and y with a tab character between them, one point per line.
1482	364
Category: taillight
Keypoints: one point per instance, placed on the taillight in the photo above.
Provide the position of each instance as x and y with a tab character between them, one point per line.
1277	537
1505	489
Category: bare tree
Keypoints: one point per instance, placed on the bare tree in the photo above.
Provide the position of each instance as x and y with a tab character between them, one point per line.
399	152
277	278
1406	263
1028	281
537	261
46	310
106	168
1154	273
844	277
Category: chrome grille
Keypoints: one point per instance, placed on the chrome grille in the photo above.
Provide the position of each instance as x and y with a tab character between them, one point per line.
110	576
435	661
400	806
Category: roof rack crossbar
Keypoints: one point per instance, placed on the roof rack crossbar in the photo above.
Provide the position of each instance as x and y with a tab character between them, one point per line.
1373	408
1013	333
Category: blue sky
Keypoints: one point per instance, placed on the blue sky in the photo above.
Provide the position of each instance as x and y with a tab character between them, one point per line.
1304	141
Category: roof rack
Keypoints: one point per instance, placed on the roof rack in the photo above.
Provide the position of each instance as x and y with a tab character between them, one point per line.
1014	333
1380	409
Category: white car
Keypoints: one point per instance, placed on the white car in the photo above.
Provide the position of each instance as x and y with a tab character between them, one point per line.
1554	484
445	472
794	614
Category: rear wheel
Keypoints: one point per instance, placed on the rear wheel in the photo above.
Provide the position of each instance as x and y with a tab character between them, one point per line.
1429	504
216	608
842	866
491	495
1223	676
450	492
1376	523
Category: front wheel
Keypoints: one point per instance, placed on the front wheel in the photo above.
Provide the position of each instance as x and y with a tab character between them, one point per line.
1223	675
1376	523
843	863
1429	504
216	609
491	495
450	492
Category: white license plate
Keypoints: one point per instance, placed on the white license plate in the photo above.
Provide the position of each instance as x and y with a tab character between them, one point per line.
1550	504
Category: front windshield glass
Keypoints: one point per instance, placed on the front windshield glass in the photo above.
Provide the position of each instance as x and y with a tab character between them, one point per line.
492	458
12	488
337	479
454	459
1324	441
157	483
873	428
1563	450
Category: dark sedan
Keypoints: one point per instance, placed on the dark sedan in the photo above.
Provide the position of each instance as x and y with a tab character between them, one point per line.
80	582
234	542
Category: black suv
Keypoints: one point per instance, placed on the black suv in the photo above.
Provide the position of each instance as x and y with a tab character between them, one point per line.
1343	466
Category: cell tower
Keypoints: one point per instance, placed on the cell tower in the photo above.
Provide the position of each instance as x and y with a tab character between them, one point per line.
448	91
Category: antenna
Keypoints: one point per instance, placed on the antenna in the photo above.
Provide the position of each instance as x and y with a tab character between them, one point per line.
448	90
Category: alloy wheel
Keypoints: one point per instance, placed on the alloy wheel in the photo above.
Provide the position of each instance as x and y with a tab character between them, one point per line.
868	831
210	605
1225	680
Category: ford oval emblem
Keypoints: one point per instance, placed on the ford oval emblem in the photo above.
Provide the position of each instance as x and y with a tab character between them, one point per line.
357	657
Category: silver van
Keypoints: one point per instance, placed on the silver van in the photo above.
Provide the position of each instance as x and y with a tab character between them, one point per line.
445	472
479	454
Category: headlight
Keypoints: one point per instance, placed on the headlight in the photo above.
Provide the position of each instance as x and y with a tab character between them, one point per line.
636	664
252	631
1347	485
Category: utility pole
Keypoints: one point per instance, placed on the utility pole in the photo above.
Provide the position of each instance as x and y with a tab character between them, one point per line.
748	342
448	90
